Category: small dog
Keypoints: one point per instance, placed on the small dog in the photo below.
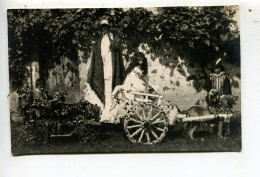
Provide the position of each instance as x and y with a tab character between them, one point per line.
224	106
195	111
228	100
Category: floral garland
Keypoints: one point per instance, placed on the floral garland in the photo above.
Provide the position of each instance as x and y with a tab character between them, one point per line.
34	108
117	99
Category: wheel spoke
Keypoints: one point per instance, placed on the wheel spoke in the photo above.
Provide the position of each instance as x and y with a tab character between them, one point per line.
146	124
160	129
148	137
150	113
158	121
145	118
134	120
154	117
141	136
133	126
136	132
140	117
154	134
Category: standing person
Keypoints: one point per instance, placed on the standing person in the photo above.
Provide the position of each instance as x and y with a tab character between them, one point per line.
106	69
220	83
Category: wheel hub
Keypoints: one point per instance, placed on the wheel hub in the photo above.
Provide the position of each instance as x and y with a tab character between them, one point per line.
147	125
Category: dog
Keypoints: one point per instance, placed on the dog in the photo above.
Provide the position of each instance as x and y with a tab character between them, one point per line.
223	105
195	111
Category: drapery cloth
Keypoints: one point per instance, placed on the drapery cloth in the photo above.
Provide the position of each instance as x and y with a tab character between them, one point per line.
105	72
103	62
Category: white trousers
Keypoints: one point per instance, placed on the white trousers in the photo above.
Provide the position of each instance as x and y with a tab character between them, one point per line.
106	115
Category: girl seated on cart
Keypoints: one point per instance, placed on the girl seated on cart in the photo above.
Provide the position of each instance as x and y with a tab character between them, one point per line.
134	82
135	73
135	89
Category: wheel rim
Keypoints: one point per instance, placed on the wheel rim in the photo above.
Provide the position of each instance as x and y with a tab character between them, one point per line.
89	136
35	135
146	123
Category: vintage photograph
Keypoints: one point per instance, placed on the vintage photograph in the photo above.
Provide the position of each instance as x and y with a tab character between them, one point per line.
124	80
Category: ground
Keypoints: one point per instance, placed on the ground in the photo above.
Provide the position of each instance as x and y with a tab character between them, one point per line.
113	140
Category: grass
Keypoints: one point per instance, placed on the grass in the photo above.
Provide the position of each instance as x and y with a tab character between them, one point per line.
113	140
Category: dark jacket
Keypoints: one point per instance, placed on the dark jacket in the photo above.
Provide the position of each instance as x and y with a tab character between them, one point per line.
227	86
96	73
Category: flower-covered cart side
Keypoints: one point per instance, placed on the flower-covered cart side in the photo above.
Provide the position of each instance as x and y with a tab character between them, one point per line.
44	119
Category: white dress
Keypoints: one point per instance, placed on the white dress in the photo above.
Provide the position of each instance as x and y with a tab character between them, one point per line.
133	83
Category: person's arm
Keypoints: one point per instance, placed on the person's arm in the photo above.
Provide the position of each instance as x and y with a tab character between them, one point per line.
115	43
49	97
117	88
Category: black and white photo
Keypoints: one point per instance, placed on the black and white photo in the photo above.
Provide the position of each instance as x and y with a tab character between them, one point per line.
131	80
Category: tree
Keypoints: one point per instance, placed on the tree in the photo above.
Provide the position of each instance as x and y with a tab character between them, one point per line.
198	34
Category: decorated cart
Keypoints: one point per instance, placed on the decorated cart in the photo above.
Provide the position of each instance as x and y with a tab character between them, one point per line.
146	118
44	119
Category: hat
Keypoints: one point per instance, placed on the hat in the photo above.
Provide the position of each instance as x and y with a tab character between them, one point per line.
104	22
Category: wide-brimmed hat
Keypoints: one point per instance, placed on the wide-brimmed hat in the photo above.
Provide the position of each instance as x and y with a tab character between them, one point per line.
103	22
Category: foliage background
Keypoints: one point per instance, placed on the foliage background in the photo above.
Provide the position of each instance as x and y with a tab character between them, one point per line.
181	44
200	34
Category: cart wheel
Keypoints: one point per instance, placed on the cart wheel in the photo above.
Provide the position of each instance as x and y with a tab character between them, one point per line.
34	135
146	123
89	136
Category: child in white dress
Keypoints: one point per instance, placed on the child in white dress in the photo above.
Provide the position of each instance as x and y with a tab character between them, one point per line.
134	82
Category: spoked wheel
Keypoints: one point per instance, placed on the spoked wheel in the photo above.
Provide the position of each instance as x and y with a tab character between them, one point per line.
34	135
89	136
146	123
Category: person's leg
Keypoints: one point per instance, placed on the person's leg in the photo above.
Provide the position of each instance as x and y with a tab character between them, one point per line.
108	93
108	100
